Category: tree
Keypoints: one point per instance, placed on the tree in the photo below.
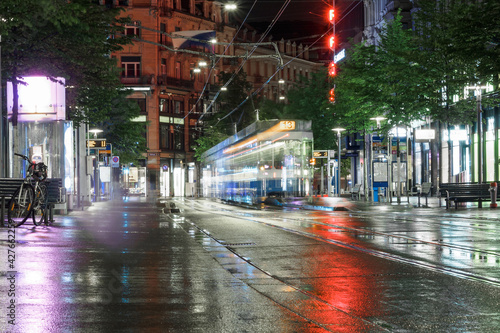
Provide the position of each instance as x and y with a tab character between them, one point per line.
447	69
308	100
73	40
235	108
382	81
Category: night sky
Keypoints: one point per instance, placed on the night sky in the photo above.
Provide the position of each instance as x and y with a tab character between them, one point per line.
302	18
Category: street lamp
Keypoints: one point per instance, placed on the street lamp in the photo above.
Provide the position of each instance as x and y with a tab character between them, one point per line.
338	130
95	131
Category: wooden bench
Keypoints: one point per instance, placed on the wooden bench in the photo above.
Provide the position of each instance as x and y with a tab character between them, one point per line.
464	192
7	188
424	191
356	191
56	195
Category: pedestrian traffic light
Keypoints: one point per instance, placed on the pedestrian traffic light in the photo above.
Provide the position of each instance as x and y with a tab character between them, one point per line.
332	95
332	69
312	161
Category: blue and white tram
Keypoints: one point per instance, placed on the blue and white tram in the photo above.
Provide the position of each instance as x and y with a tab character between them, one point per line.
266	158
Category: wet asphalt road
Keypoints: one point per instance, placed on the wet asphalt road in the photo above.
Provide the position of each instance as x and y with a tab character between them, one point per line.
129	267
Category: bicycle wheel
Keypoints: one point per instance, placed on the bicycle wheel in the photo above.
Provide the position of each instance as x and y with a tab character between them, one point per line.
20	205
39	205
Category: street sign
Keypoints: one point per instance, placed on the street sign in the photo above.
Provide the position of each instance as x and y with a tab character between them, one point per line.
96	143
115	161
320	154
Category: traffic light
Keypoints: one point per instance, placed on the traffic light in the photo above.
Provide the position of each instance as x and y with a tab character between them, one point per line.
312	161
332	69
332	95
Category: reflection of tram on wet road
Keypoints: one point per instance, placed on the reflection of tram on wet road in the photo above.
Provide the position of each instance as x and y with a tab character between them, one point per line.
266	158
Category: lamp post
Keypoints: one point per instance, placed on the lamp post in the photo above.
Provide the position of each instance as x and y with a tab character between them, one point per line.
96	167
338	130
378	120
479	126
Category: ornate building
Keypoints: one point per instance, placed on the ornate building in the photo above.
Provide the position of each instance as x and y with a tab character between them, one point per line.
168	83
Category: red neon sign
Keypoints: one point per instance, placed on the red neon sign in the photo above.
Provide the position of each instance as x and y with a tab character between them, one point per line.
331	15
331	42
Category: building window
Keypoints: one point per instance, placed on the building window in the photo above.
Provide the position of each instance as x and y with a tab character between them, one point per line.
163	67
133	30
177	69
131	66
178	107
163	37
163	105
172	136
141	102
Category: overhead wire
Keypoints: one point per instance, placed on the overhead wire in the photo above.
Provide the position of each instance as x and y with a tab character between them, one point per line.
267	82
214	65
273	75
262	37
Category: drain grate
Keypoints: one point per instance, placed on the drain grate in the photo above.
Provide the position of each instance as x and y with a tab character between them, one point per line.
238	244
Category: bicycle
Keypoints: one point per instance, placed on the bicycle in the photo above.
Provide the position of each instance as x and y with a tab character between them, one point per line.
30	199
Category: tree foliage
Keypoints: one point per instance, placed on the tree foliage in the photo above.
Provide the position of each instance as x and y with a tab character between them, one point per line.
73	40
308	100
235	108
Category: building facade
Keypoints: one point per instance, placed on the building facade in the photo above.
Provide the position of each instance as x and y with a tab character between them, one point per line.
173	89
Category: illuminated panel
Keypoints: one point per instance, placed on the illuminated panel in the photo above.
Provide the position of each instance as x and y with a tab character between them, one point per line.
39	99
287	125
99	143
331	15
331	42
425	134
320	154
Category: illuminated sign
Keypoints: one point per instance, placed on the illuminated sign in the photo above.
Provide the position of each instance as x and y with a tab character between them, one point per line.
331	42
39	99
458	135
331	15
320	154
96	143
425	134
339	56
287	125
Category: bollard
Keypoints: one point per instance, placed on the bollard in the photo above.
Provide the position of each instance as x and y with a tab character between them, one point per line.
493	191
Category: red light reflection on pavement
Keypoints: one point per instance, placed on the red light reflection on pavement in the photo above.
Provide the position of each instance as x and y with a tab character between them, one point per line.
345	278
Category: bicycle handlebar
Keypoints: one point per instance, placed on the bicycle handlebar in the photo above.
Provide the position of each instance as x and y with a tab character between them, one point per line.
23	156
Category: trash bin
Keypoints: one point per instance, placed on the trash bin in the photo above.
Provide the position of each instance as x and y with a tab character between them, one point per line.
375	194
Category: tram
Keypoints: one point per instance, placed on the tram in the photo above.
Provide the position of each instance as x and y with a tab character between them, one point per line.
268	158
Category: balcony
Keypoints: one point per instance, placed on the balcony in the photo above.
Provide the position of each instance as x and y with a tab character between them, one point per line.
141	80
168	81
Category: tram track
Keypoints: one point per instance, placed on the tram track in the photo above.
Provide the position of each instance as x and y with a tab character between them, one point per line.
372	251
233	249
277	223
